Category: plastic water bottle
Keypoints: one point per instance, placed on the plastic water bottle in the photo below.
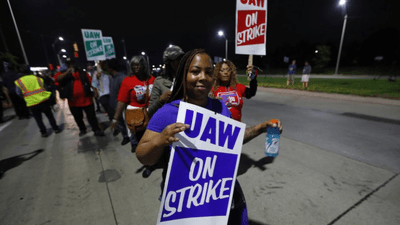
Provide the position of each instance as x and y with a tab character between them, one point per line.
272	140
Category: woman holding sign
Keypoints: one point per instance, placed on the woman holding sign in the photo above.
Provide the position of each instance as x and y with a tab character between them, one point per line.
227	88
193	83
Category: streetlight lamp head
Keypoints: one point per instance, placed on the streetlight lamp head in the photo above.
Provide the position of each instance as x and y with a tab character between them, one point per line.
64	56
143	53
342	2
61	39
170	46
63	50
124	57
316	51
220	33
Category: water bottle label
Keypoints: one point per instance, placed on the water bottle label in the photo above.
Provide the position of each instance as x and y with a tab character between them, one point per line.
273	146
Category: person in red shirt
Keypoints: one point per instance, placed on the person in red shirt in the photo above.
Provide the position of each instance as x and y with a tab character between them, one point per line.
77	87
227	88
132	93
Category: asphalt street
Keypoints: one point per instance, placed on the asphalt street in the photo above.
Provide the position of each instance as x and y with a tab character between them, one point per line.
338	164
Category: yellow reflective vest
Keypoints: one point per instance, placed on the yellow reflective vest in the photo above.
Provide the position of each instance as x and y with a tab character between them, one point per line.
32	89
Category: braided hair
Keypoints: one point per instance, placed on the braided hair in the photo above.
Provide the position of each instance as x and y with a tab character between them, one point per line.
179	90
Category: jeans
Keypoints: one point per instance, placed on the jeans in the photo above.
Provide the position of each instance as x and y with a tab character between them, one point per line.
77	112
105	102
37	111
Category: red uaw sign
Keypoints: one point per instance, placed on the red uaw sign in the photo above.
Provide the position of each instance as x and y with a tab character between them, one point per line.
251	27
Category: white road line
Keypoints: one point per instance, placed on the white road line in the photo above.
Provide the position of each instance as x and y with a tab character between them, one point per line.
5	125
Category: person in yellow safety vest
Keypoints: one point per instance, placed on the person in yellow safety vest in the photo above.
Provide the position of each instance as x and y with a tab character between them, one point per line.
36	97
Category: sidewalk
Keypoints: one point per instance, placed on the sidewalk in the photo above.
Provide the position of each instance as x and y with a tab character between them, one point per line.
372	100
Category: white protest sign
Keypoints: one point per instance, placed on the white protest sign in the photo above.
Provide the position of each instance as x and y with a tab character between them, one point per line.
251	27
202	168
109	47
93	41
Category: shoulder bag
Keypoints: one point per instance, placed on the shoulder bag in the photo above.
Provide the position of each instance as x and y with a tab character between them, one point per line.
137	119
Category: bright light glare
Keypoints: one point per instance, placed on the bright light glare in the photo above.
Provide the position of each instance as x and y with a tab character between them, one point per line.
160	65
170	46
154	66
64	56
316	51
143	53
38	68
220	33
61	39
342	2
63	50
124	57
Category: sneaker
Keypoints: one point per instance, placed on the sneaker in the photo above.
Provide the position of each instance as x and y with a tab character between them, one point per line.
133	149
45	135
146	173
82	132
116	132
99	133
57	131
125	141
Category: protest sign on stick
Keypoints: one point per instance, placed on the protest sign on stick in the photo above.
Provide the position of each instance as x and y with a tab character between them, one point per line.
109	47
251	27
93	41
202	168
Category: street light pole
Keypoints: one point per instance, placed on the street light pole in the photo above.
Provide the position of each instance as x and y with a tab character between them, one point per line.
221	33
54	49
19	37
226	48
341	44
342	3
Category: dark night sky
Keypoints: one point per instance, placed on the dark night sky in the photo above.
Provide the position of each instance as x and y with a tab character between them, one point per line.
151	26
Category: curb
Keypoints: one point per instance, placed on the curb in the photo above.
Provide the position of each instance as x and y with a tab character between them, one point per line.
354	98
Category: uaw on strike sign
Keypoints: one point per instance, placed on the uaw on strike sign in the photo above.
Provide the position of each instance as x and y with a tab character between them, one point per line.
93	40
251	27
202	169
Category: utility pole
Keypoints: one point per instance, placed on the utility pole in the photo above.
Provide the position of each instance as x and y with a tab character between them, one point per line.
19	37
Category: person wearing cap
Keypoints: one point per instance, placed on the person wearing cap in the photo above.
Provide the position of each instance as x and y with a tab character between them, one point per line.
162	87
36	97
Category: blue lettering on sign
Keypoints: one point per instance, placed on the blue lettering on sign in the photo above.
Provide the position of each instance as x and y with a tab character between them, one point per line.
223	135
199	185
210	130
194	131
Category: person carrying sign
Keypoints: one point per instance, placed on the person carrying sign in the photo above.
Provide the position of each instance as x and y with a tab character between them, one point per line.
227	88
193	83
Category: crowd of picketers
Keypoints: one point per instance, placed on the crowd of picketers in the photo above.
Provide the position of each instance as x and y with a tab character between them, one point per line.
190	77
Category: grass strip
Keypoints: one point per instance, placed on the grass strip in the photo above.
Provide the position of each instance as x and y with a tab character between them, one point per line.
360	87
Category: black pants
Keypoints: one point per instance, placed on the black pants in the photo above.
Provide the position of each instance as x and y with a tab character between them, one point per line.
19	104
37	111
105	102
77	112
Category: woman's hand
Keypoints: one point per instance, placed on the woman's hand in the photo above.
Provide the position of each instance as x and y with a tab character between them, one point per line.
249	68
165	96
254	131
113	124
167	136
265	124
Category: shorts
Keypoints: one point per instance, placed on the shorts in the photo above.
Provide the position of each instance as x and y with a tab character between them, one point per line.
290	77
305	78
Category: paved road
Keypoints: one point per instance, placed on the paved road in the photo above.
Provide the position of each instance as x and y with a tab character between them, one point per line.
323	76
338	164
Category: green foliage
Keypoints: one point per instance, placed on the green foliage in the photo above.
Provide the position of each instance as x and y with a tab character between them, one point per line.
11	59
323	57
368	88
